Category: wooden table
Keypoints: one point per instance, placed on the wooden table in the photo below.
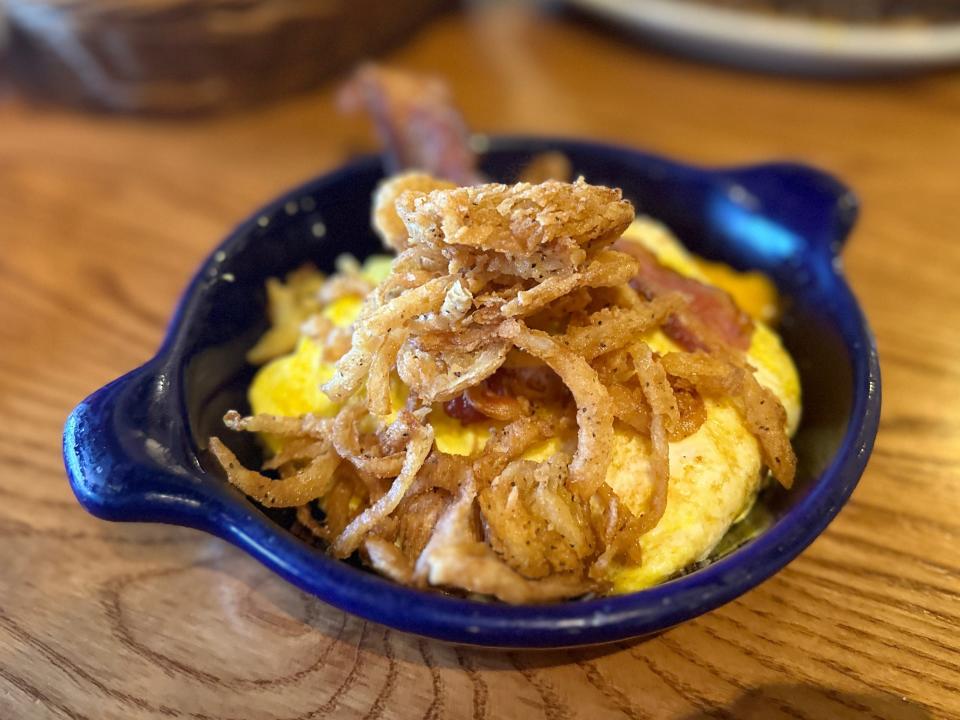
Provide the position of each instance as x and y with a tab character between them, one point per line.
102	221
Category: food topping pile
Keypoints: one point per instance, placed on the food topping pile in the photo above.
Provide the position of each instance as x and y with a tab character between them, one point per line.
461	412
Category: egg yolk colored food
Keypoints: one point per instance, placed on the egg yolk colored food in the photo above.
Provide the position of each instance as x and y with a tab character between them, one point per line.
715	473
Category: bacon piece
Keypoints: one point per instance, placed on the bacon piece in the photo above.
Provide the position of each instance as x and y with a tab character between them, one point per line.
711	315
463	410
489	399
416	120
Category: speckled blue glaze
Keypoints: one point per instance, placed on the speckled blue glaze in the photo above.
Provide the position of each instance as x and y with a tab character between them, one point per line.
134	450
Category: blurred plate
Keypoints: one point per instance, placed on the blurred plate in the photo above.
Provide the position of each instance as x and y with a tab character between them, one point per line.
781	43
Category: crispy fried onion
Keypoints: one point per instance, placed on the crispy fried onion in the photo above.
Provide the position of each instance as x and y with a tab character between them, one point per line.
381	366
345	436
418	515
353	535
726	375
594	415
387	559
296	450
308	522
386	222
516	218
665	415
456	558
506	306
613	328
306	425
438	377
620	530
303	485
347	498
607	269
354	367
511	441
630	407
533	520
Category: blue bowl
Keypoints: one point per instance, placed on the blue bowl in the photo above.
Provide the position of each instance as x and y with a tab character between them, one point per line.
135	449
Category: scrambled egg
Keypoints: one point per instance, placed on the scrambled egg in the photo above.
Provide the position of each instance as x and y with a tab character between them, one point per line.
715	473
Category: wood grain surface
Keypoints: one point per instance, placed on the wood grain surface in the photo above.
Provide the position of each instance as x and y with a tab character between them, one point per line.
101	224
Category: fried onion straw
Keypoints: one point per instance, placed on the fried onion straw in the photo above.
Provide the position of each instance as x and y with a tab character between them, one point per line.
594	414
305	485
352	536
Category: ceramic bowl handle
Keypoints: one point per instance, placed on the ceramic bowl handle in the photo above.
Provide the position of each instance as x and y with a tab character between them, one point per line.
119	461
813	203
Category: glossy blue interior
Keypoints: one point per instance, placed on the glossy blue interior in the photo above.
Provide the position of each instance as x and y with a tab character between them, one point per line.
135	450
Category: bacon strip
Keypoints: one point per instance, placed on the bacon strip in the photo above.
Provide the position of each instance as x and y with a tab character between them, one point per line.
416	120
489	399
711	315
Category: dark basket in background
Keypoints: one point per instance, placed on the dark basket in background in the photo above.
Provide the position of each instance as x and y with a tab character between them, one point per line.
193	56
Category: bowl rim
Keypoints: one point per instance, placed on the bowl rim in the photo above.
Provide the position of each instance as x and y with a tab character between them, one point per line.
233	517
